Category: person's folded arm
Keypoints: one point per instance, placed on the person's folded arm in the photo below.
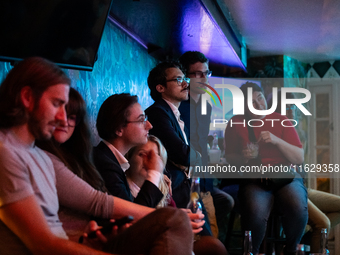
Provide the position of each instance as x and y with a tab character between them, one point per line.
294	154
25	219
75	193
122	208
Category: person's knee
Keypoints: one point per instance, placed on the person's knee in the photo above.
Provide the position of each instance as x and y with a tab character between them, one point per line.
229	203
298	219
175	217
323	222
297	210
257	218
168	212
224	204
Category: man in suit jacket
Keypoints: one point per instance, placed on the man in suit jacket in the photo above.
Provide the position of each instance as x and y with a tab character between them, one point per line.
169	87
122	124
196	67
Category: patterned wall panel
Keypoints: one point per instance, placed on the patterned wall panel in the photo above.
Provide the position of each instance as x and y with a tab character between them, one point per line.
325	70
4	69
122	66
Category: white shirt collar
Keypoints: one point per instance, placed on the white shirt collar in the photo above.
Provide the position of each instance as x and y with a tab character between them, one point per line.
177	115
124	164
133	187
173	108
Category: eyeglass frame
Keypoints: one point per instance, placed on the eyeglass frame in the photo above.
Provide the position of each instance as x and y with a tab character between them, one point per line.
144	121
179	82
207	74
77	120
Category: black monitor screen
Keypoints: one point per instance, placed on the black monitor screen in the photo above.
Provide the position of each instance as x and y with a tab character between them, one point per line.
67	32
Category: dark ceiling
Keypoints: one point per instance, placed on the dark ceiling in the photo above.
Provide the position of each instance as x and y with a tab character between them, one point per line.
169	28
306	30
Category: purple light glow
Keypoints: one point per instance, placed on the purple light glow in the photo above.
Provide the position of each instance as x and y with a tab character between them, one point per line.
126	30
199	31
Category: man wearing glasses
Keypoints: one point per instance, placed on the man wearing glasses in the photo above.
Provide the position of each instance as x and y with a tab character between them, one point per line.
169	87
196	67
122	124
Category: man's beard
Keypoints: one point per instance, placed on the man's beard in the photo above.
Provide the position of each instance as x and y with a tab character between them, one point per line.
36	126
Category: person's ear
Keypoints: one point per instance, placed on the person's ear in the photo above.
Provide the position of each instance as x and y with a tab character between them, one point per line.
119	132
160	88
27	98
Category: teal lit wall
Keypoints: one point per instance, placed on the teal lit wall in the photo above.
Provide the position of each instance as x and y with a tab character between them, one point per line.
122	66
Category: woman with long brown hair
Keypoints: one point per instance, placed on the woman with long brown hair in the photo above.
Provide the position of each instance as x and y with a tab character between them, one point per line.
72	143
70	150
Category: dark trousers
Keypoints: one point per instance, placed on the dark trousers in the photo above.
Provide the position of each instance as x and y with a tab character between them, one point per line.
223	203
290	201
166	231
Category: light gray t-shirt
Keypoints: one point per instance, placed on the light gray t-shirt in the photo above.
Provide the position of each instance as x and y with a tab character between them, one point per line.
78	200
25	171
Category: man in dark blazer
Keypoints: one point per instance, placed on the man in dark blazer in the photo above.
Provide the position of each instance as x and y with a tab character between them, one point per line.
196	67
169	87
122	124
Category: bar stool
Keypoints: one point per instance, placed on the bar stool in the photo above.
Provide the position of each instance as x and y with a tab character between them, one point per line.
274	239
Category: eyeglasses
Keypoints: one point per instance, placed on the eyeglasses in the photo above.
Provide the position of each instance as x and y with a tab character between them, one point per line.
291	107
200	74
72	120
142	121
180	80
